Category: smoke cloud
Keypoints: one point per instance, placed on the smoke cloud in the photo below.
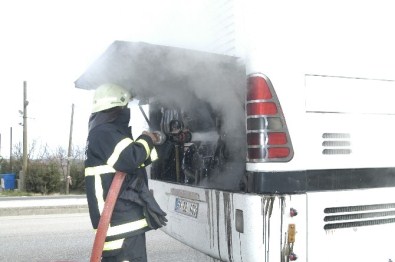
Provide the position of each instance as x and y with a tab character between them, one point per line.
179	78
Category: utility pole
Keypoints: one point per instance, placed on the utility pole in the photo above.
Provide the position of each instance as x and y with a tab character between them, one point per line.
24	166
69	150
11	149
1	158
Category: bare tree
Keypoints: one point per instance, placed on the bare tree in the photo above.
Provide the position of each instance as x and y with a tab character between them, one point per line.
60	156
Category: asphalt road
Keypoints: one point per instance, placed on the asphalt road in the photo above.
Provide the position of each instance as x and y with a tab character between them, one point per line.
69	237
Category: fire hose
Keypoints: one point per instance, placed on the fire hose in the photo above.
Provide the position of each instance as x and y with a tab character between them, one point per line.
105	217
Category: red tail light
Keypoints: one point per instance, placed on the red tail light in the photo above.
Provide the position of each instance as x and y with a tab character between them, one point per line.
261	108
277	138
260	91
278	152
268	139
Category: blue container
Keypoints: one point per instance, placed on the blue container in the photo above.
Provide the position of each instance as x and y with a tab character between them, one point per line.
9	181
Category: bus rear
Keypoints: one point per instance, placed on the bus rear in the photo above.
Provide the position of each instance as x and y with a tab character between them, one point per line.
329	68
282	151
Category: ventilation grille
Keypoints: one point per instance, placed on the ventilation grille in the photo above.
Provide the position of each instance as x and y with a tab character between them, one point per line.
336	144
359	216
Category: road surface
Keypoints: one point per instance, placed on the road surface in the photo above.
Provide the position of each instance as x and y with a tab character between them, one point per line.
69	238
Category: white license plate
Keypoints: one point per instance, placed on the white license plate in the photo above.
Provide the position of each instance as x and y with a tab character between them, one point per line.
186	207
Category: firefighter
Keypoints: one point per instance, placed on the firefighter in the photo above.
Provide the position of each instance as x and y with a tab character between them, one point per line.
110	148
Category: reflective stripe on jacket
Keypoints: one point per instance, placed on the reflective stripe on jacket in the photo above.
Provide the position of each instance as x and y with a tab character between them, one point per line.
110	148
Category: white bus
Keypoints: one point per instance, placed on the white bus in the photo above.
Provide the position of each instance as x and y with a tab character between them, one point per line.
282	154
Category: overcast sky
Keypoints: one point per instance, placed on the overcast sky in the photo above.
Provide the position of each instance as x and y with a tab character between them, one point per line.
50	43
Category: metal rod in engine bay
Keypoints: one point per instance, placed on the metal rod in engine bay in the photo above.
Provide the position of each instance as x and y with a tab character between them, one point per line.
145	116
160	135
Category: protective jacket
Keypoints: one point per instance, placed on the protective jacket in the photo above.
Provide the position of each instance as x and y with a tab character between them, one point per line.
110	147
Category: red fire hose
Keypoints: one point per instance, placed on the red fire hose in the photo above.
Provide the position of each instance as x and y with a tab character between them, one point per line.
105	217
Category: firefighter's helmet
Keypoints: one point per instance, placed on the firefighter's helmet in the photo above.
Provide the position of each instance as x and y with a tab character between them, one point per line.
108	96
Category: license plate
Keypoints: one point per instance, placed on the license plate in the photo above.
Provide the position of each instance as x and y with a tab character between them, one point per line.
186	207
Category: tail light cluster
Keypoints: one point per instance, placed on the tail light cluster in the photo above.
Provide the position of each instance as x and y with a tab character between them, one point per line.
268	138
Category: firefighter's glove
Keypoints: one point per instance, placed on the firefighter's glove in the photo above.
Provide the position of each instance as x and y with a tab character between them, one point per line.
154	215
155	220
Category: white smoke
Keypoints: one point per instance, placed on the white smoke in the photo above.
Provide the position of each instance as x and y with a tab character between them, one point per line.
180	78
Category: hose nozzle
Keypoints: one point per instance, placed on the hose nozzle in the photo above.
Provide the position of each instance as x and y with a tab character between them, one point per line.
160	137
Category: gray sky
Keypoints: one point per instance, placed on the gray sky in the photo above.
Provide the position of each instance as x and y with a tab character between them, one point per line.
49	44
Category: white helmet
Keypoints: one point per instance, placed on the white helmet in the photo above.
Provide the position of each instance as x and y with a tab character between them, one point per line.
108	96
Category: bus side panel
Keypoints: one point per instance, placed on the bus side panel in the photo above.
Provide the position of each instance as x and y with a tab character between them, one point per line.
242	222
198	231
352	225
213	231
234	226
255	228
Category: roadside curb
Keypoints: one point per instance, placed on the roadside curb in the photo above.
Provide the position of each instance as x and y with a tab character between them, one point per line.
43	210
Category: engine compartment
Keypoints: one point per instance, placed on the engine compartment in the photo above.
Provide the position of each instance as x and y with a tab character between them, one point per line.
198	150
